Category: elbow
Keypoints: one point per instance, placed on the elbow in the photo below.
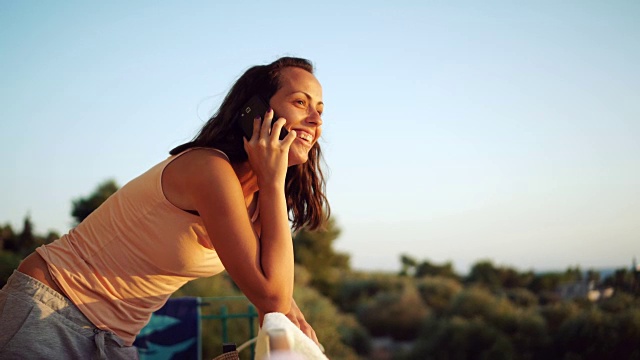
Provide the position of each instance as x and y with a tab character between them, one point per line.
274	303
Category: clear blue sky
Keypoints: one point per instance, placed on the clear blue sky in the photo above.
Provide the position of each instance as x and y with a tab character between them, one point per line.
454	131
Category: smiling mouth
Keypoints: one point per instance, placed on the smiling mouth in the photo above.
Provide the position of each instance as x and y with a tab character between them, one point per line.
304	136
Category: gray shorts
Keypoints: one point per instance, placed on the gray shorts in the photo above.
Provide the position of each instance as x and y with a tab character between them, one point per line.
39	323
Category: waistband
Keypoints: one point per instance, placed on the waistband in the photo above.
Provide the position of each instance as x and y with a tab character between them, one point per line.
26	285
23	285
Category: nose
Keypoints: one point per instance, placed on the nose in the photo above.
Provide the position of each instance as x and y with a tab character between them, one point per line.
314	117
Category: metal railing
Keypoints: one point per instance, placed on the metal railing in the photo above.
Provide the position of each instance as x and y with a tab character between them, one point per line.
224	316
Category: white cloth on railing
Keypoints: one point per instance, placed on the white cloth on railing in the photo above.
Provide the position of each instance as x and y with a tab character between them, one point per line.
300	345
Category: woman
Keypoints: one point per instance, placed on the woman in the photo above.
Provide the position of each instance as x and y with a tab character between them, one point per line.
218	202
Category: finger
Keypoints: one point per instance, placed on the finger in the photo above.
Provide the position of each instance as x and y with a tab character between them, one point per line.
290	138
315	338
266	124
294	320
276	128
308	330
256	128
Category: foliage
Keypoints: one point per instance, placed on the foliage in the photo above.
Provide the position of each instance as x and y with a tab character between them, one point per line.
495	312
9	261
314	250
398	314
211	330
412	267
549	282
626	280
478	302
23	243
437	291
480	325
16	246
619	302
335	330
522	297
357	288
82	207
595	335
486	274
340	334
557	314
545	283
460	338
408	263
627	327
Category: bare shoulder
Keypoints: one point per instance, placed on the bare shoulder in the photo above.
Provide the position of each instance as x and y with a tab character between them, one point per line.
195	173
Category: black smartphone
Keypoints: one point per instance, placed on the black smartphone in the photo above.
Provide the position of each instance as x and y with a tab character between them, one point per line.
256	106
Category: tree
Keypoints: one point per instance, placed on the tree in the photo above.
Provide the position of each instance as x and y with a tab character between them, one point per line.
338	332
314	250
7	238
9	261
395	314
16	246
627	280
485	273
341	335
593	275
590	335
522	297
82	207
356	288
408	265
572	274
619	302
438	291
498	278
555	315
461	338
27	241
411	267
426	268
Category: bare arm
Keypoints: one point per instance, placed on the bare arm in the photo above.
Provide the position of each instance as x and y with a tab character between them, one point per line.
261	267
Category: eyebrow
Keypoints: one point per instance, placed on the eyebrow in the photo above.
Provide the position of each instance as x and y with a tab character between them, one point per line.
307	95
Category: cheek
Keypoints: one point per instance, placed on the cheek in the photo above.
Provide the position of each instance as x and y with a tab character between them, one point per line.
289	124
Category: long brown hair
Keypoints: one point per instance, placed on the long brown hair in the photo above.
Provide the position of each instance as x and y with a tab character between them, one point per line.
305	184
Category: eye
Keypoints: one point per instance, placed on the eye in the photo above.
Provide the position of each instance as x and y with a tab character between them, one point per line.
300	102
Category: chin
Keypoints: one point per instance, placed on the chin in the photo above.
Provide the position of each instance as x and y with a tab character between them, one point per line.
299	153
297	161
298	158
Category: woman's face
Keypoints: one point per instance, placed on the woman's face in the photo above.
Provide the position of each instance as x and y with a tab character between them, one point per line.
299	101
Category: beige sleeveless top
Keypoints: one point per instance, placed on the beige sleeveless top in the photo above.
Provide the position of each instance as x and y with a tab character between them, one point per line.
126	258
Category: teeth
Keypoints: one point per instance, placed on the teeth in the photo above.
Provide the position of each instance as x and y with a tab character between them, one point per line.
305	136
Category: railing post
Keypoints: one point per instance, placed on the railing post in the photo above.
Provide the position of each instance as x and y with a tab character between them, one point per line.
252	314
199	302
223	315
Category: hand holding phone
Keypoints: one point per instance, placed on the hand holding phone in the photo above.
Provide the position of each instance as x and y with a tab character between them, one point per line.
256	106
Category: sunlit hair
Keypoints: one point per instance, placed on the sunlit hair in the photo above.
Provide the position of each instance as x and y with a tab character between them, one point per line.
305	184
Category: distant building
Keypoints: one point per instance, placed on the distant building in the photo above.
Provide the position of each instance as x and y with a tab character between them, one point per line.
584	289
575	290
